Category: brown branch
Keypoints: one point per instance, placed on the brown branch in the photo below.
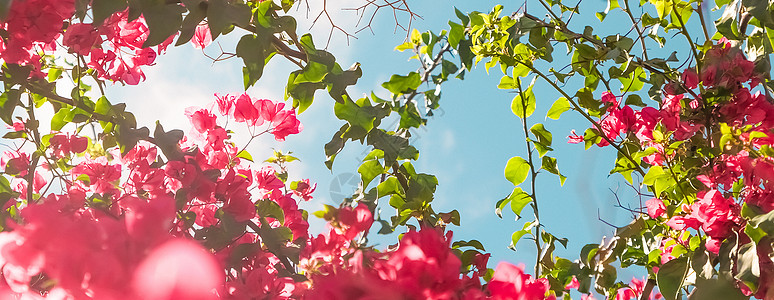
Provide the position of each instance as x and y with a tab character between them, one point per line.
334	27
648	288
397	6
36	89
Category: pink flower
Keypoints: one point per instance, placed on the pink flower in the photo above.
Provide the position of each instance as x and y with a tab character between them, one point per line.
62	145
201	119
608	97
225	104
304	189
267	179
574	138
168	273
286	124
244	111
202	36
101	175
573	285
690	78
656	208
80	38
682	222
356	220
510	282
17	126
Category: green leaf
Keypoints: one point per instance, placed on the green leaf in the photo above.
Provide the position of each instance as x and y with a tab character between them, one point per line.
409	116
507	83
421	188
196	14
388	187
403	84
519	199
163	21
394	146
313	72
748	266
520	233
369	170
472	243
221	14
632	82
670	277
262	14
560	106
8	103
726	24
303	93
102	9
523	105
252	51
542	134
716	288
58	121
763	222
334	146
167	141
634	99
456	33
306	42
663	7
6	192
268	208
5	7
246	155
359	117
549	164
516	170
338	83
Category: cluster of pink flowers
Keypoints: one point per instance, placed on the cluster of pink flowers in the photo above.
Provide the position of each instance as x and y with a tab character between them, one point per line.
744	118
33	27
114	49
421	266
254	112
123	225
632	292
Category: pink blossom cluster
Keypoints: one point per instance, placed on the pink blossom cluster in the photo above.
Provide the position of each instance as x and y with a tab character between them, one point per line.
256	112
632	292
32	27
719	95
124	225
114	49
421	266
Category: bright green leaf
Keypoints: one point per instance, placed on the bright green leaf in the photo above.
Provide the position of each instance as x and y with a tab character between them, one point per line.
516	170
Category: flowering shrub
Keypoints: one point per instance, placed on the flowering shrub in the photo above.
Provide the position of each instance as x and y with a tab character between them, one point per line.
173	215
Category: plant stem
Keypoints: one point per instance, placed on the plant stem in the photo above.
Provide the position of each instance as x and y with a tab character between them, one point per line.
533	178
636	27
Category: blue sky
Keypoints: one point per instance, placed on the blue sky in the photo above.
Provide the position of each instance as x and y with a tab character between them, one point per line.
466	144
